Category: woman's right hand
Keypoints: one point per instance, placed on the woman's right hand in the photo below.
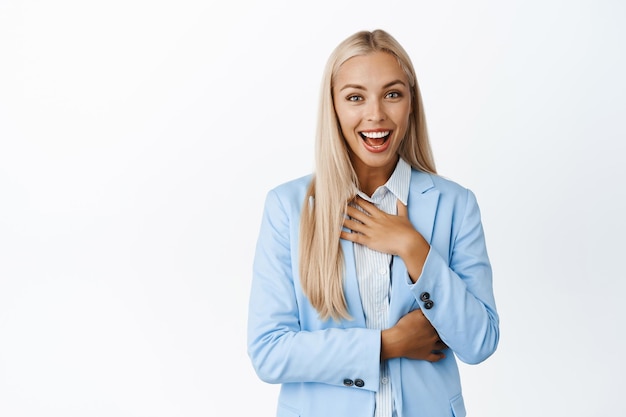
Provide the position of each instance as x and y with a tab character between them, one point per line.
412	337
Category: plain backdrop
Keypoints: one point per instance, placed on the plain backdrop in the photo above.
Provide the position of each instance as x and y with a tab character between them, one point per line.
138	140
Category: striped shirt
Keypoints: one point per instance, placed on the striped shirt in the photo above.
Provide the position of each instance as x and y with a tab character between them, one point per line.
373	270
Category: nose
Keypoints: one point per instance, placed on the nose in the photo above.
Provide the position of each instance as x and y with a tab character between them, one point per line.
375	111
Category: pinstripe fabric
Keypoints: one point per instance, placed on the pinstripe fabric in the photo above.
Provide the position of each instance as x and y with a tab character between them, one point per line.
373	271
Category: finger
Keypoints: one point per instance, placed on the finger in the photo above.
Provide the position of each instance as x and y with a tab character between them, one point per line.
352	237
403	211
346	235
353	225
436	356
366	205
439	345
356	214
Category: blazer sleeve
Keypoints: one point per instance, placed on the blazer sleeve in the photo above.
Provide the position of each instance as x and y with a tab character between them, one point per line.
457	295
286	340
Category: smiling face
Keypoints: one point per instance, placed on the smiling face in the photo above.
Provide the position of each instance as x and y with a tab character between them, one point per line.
372	99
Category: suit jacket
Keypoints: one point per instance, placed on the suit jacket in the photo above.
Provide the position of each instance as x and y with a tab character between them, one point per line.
331	368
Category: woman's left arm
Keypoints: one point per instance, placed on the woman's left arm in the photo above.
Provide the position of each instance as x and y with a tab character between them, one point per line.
457	295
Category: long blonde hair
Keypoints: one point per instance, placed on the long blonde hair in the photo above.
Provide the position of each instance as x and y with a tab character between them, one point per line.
335	182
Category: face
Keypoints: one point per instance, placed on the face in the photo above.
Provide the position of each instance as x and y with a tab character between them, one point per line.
372	99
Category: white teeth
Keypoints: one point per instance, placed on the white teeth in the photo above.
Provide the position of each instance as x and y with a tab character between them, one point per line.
375	135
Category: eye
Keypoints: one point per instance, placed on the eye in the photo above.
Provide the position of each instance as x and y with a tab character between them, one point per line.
354	97
393	94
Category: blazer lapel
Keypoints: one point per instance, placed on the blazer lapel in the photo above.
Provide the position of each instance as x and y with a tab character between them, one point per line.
422	205
351	287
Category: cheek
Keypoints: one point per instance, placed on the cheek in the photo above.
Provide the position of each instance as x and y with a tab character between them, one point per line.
403	118
347	120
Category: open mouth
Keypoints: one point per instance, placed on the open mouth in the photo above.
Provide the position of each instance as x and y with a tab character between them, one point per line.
375	140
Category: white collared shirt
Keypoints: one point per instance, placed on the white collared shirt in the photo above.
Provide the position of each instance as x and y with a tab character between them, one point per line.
373	270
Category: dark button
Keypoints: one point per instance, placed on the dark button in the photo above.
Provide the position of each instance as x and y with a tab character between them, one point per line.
428	304
348	382
359	383
425	296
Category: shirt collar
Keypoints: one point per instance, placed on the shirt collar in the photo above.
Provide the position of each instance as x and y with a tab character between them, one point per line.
398	183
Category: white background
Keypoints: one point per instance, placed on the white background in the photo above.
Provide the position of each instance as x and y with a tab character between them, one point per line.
138	140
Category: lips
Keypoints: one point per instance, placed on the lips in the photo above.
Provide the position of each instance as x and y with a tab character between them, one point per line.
376	141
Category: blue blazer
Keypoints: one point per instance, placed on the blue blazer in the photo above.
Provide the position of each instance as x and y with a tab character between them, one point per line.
312	359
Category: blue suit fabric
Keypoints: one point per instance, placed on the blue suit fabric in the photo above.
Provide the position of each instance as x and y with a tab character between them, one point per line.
317	361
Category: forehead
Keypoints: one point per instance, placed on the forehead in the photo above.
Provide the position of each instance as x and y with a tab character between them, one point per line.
377	68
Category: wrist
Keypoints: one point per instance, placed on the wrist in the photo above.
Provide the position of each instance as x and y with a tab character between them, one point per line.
414	255
388	345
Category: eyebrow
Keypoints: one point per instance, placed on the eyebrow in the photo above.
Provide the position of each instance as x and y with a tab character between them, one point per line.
360	87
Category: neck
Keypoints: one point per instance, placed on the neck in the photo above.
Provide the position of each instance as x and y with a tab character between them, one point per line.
372	178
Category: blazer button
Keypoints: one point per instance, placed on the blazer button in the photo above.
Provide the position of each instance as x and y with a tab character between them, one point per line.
425	296
428	304
359	383
348	382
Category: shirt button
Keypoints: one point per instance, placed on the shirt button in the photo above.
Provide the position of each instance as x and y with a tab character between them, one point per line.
382	271
384	380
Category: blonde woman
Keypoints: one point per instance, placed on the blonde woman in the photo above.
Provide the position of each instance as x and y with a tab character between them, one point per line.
371	276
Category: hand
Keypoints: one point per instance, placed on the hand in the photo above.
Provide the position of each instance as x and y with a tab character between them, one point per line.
412	337
378	230
387	233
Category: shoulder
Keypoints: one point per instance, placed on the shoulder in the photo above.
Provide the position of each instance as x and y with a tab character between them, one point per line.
423	182
450	193
289	195
293	188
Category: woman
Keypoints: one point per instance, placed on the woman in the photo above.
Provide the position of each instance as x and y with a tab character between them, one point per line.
371	272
